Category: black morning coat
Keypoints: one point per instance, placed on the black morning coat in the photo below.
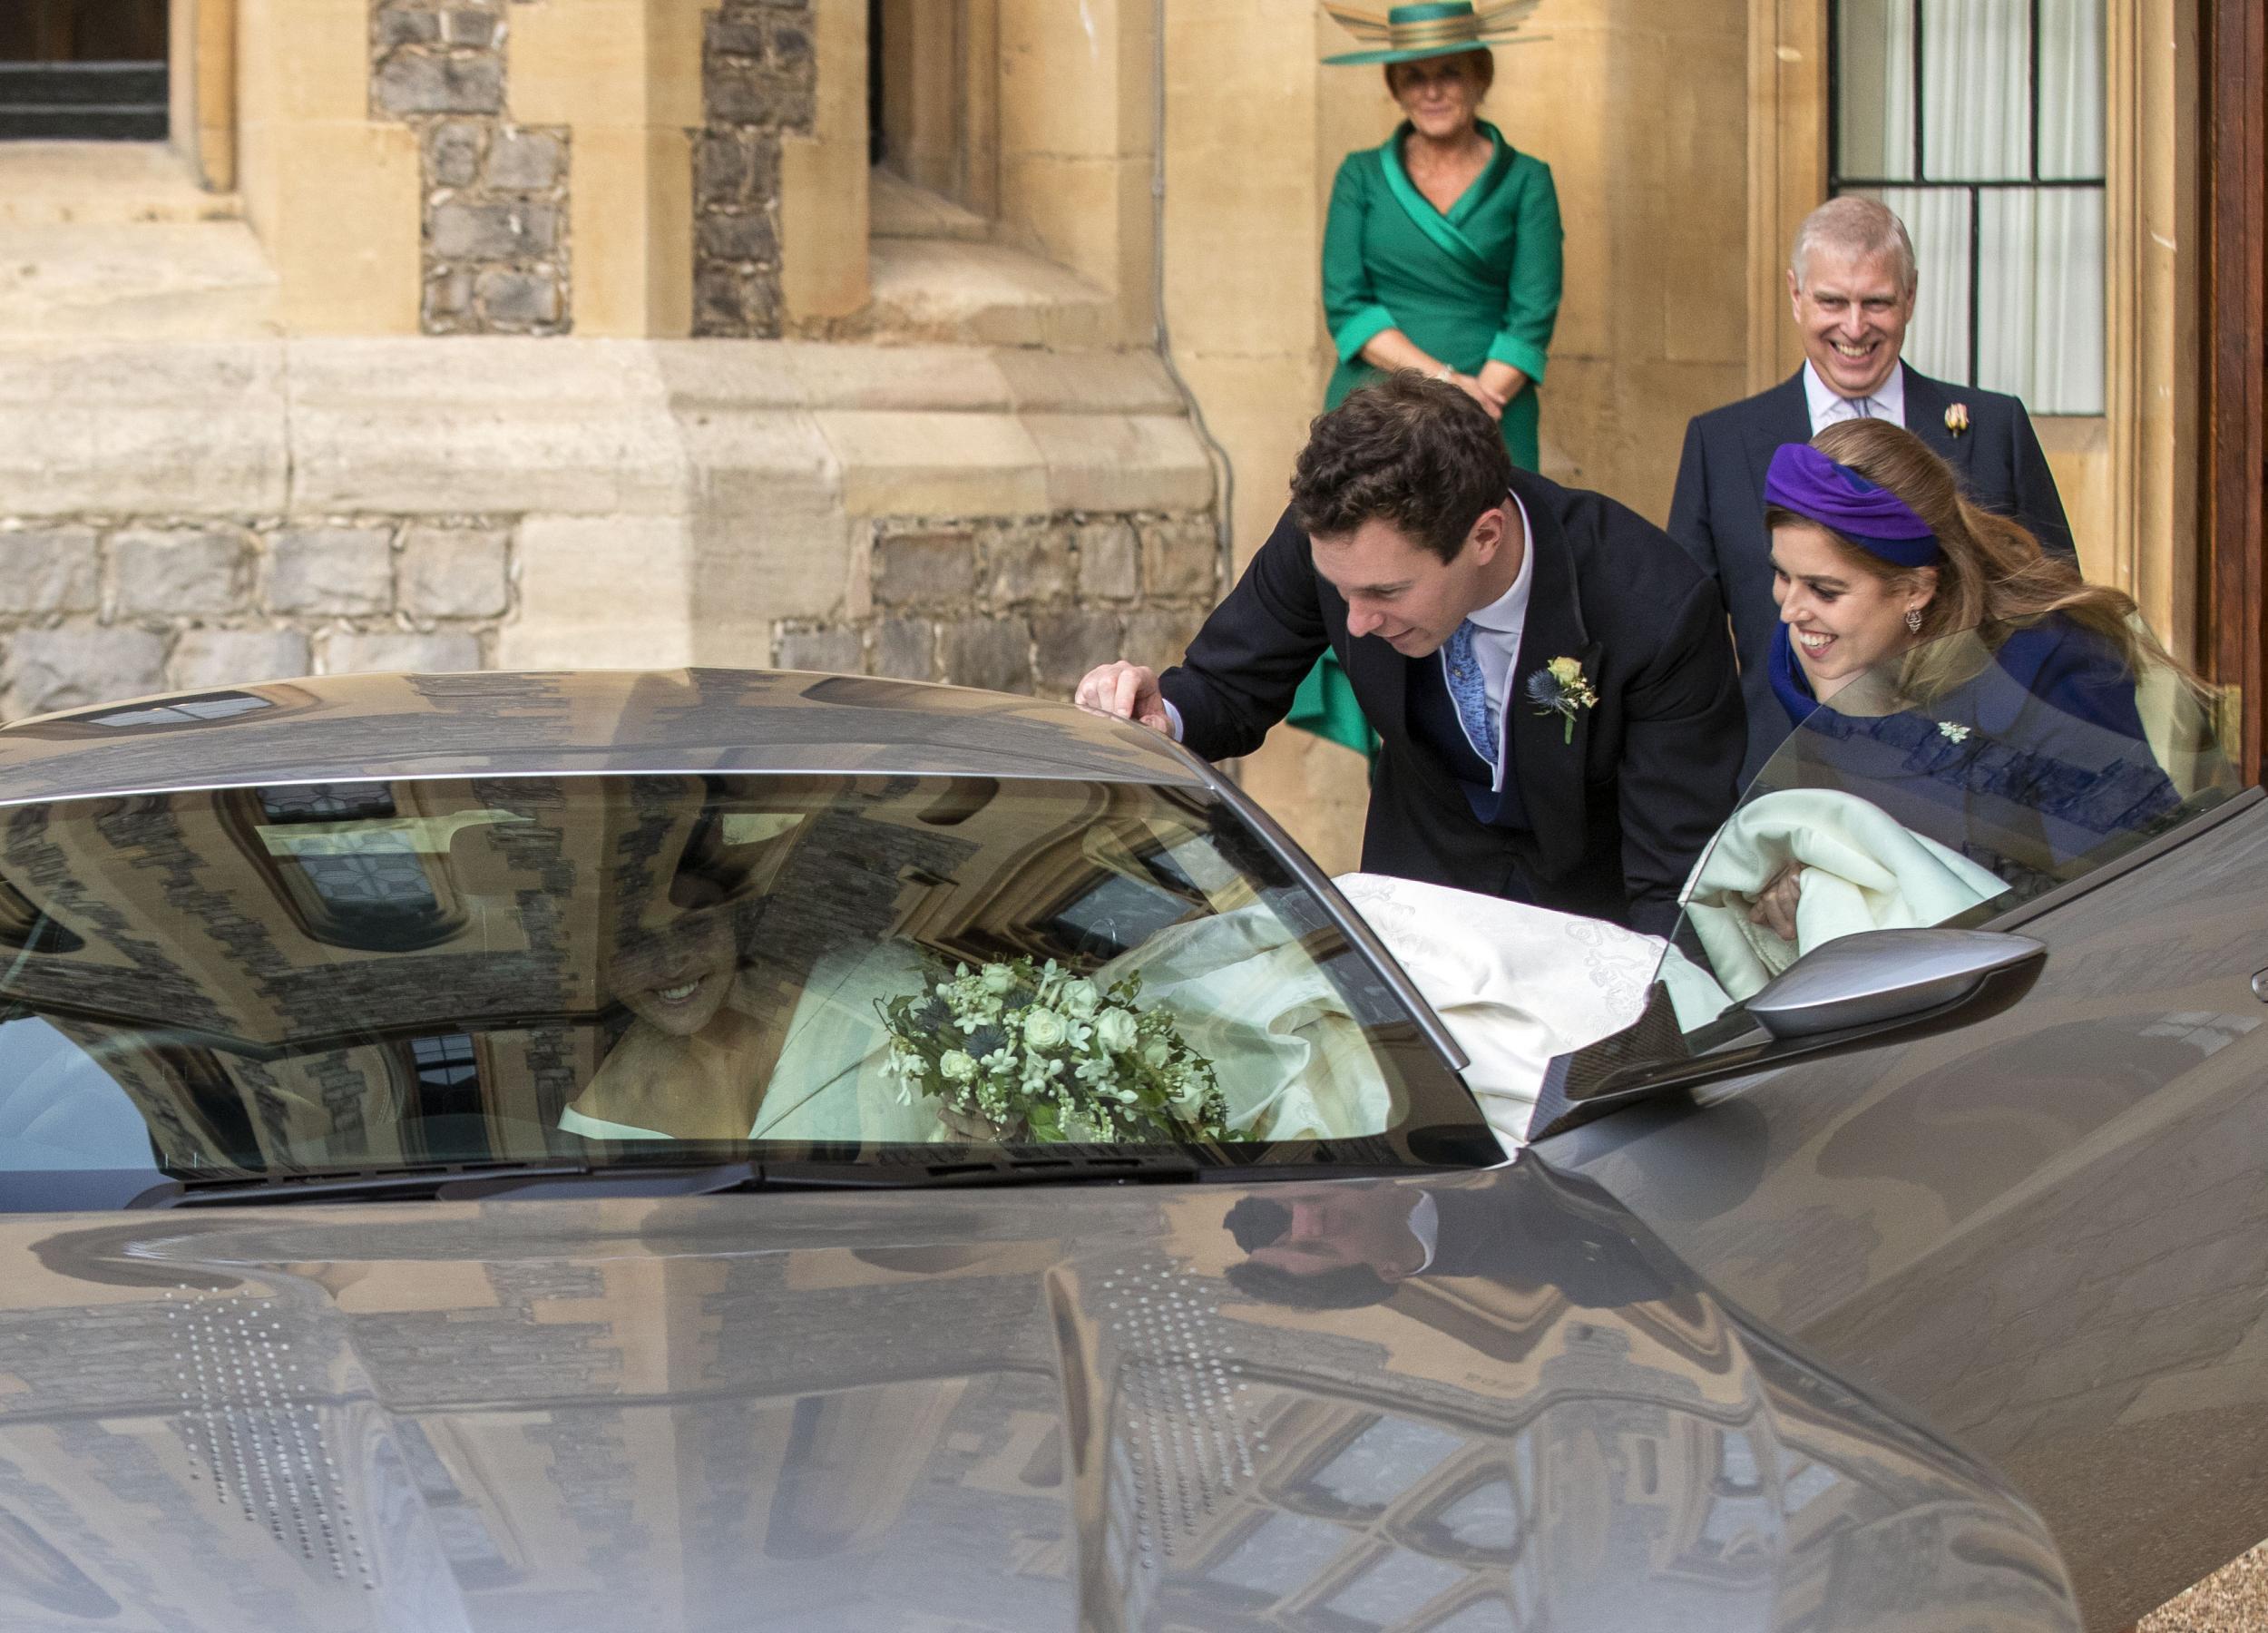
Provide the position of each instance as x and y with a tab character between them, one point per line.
1609	822
1717	513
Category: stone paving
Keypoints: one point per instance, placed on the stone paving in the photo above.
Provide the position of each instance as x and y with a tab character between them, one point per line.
2234	1600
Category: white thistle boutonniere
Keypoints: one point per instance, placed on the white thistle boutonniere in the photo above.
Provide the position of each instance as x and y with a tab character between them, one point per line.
1956	418
1947	729
1561	688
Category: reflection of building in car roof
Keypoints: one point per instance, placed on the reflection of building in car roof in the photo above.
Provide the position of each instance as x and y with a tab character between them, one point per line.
298	975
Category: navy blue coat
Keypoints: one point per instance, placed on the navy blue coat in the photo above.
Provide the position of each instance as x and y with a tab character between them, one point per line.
1717	513
2031	767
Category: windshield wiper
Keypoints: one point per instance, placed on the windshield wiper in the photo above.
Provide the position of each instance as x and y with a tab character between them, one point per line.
474	1182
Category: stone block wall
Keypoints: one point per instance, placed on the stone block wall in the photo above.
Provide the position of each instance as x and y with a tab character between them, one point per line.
97	608
1020	604
494	193
100	607
759	81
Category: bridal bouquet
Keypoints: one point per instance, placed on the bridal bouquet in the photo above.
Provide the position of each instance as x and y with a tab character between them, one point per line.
1041	1054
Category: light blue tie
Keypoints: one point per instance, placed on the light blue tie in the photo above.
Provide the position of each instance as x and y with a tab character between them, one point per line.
1470	690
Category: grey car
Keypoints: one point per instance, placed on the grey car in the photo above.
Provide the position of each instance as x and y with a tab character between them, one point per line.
479	1152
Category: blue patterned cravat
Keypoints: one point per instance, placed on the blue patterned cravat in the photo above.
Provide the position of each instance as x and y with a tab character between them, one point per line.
1470	691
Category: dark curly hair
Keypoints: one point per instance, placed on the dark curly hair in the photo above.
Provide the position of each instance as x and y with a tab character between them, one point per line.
1415	452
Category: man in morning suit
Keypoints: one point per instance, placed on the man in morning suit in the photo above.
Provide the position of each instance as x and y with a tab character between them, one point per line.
1852	279
1452	587
1341	1245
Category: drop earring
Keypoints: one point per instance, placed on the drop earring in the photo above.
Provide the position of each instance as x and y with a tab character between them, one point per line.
1913	620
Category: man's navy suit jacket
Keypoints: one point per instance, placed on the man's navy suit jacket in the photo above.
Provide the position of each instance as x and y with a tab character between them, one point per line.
1620	801
1717	513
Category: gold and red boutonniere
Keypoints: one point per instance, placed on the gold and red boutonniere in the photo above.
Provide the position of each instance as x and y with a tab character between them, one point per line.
1956	418
1560	688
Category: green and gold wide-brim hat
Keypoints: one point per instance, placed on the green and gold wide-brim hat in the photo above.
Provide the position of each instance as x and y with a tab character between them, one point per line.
1431	29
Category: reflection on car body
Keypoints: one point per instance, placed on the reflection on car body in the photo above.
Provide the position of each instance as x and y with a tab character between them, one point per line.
590	933
2006	1217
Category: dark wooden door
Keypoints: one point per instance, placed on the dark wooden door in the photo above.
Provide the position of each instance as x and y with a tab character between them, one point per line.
82	31
83	70
2236	359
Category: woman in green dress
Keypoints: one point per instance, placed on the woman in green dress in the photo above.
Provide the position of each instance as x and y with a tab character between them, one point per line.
1441	252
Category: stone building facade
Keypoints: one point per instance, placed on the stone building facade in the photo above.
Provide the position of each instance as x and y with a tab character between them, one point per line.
759	83
724	354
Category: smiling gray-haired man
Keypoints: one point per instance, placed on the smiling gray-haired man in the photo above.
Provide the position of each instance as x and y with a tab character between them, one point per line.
1851	281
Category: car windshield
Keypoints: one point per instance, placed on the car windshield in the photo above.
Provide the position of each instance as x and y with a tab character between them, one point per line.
1949	787
375	977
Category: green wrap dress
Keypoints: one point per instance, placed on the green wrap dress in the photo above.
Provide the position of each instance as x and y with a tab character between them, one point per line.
1477	282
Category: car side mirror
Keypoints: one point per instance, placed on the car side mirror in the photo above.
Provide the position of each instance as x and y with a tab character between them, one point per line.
1857	992
1883	976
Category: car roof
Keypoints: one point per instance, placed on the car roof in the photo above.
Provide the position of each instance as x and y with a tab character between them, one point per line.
340	727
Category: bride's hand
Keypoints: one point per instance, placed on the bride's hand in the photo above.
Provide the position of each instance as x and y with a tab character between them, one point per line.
967	1128
1775	905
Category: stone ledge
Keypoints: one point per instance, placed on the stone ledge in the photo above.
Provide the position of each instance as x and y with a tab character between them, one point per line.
1113	461
482	423
440	428
985	294
911	464
124	426
145	280
79	183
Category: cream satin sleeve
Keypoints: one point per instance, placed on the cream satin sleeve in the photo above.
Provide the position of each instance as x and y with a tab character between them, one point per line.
829	1084
1514	984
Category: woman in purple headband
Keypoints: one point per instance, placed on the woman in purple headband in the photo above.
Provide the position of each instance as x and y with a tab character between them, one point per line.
1877	554
1999	713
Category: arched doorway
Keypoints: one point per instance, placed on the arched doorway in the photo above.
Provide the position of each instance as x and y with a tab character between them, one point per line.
83	71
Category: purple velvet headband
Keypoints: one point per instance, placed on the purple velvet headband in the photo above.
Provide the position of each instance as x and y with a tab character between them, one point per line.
1803	480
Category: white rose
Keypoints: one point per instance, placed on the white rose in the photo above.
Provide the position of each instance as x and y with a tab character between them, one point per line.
1156	1053
957	1066
1114	1030
1080	997
1042	1028
998	978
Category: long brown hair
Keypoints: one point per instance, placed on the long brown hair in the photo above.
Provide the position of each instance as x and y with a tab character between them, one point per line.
1993	577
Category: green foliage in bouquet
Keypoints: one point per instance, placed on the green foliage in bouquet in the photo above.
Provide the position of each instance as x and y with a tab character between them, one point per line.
1044	1055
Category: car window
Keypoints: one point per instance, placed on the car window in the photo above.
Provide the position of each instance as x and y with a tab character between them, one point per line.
373	975
1945	788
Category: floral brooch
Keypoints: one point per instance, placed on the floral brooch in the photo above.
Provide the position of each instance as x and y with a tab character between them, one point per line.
1560	688
1952	732
1956	418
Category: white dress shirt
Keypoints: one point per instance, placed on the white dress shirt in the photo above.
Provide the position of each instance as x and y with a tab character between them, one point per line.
1495	642
1828	407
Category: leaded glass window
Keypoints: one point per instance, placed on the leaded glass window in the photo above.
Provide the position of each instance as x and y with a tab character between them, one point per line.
1982	123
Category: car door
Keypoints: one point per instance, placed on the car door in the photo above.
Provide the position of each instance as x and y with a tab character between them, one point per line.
2045	1232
